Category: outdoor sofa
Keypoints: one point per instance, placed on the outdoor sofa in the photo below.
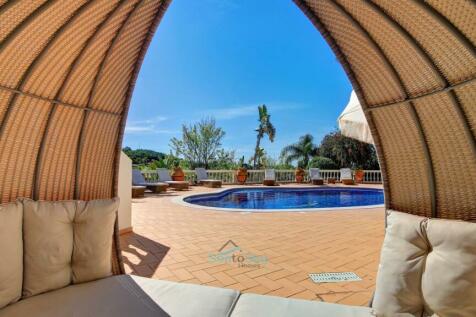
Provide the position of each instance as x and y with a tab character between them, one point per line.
164	176
56	261
202	179
138	180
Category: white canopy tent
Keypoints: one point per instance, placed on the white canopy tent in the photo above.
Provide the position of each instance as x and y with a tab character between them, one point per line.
352	121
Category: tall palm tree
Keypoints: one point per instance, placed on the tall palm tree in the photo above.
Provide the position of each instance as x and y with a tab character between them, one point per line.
265	127
260	158
302	151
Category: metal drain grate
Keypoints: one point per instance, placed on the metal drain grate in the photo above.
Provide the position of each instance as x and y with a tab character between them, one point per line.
334	277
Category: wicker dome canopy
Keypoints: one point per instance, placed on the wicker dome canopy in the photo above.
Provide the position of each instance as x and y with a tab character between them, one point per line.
68	69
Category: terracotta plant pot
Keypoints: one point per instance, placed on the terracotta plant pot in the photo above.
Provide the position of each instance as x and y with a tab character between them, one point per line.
241	175
359	176
178	174
299	174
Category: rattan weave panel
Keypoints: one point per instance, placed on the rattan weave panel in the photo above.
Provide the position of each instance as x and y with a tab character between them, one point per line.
19	144
467	96
4	98
460	13
56	170
449	53
112	85
406	164
16	57
50	72
96	160
416	73
454	159
79	86
370	69
15	14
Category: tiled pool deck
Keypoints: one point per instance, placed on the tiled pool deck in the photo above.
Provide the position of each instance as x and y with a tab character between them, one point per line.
174	242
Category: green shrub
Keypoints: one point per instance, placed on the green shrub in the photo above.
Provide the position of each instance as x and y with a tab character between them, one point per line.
323	163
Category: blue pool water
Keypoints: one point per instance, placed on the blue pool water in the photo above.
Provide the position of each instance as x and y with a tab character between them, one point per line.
289	198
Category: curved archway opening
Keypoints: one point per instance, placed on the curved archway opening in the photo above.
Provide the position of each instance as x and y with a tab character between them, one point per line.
225	64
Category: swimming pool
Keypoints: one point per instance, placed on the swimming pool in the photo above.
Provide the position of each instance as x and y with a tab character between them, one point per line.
288	199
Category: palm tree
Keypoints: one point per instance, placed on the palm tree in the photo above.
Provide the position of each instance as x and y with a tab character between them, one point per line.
265	127
302	151
260	158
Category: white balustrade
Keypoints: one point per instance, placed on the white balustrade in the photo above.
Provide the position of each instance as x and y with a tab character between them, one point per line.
372	176
257	176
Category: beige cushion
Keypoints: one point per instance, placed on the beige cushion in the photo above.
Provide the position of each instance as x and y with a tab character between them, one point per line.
48	243
401	266
93	236
449	279
11	257
67	241
125	296
251	305
427	266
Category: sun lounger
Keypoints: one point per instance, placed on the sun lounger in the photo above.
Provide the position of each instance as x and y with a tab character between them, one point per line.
138	191
269	177
346	176
164	176
138	180
315	176
202	179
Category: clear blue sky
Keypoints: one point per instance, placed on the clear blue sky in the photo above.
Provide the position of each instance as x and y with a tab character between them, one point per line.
223	58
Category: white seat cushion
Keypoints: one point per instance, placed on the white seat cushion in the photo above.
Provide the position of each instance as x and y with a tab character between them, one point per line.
427	266
251	305
11	258
124	296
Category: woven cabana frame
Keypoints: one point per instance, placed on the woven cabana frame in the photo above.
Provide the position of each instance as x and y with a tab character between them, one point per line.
68	69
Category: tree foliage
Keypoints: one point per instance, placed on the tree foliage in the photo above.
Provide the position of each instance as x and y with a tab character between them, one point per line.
347	152
260	159
151	160
143	156
200	142
302	151
224	160
200	146
324	163
265	127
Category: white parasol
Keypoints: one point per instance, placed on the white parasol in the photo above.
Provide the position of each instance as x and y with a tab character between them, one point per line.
352	121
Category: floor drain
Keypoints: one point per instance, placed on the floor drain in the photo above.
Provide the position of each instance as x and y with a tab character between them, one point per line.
334	277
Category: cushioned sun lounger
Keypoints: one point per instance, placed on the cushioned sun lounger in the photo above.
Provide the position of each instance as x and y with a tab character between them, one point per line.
315	176
139	180
164	176
269	177
346	176
202	178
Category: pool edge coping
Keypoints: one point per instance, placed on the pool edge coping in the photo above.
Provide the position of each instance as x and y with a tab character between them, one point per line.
180	200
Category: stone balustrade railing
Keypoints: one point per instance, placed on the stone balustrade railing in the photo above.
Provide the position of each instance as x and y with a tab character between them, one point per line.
257	176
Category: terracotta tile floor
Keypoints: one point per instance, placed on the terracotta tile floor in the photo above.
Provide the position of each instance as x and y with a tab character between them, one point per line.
174	242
